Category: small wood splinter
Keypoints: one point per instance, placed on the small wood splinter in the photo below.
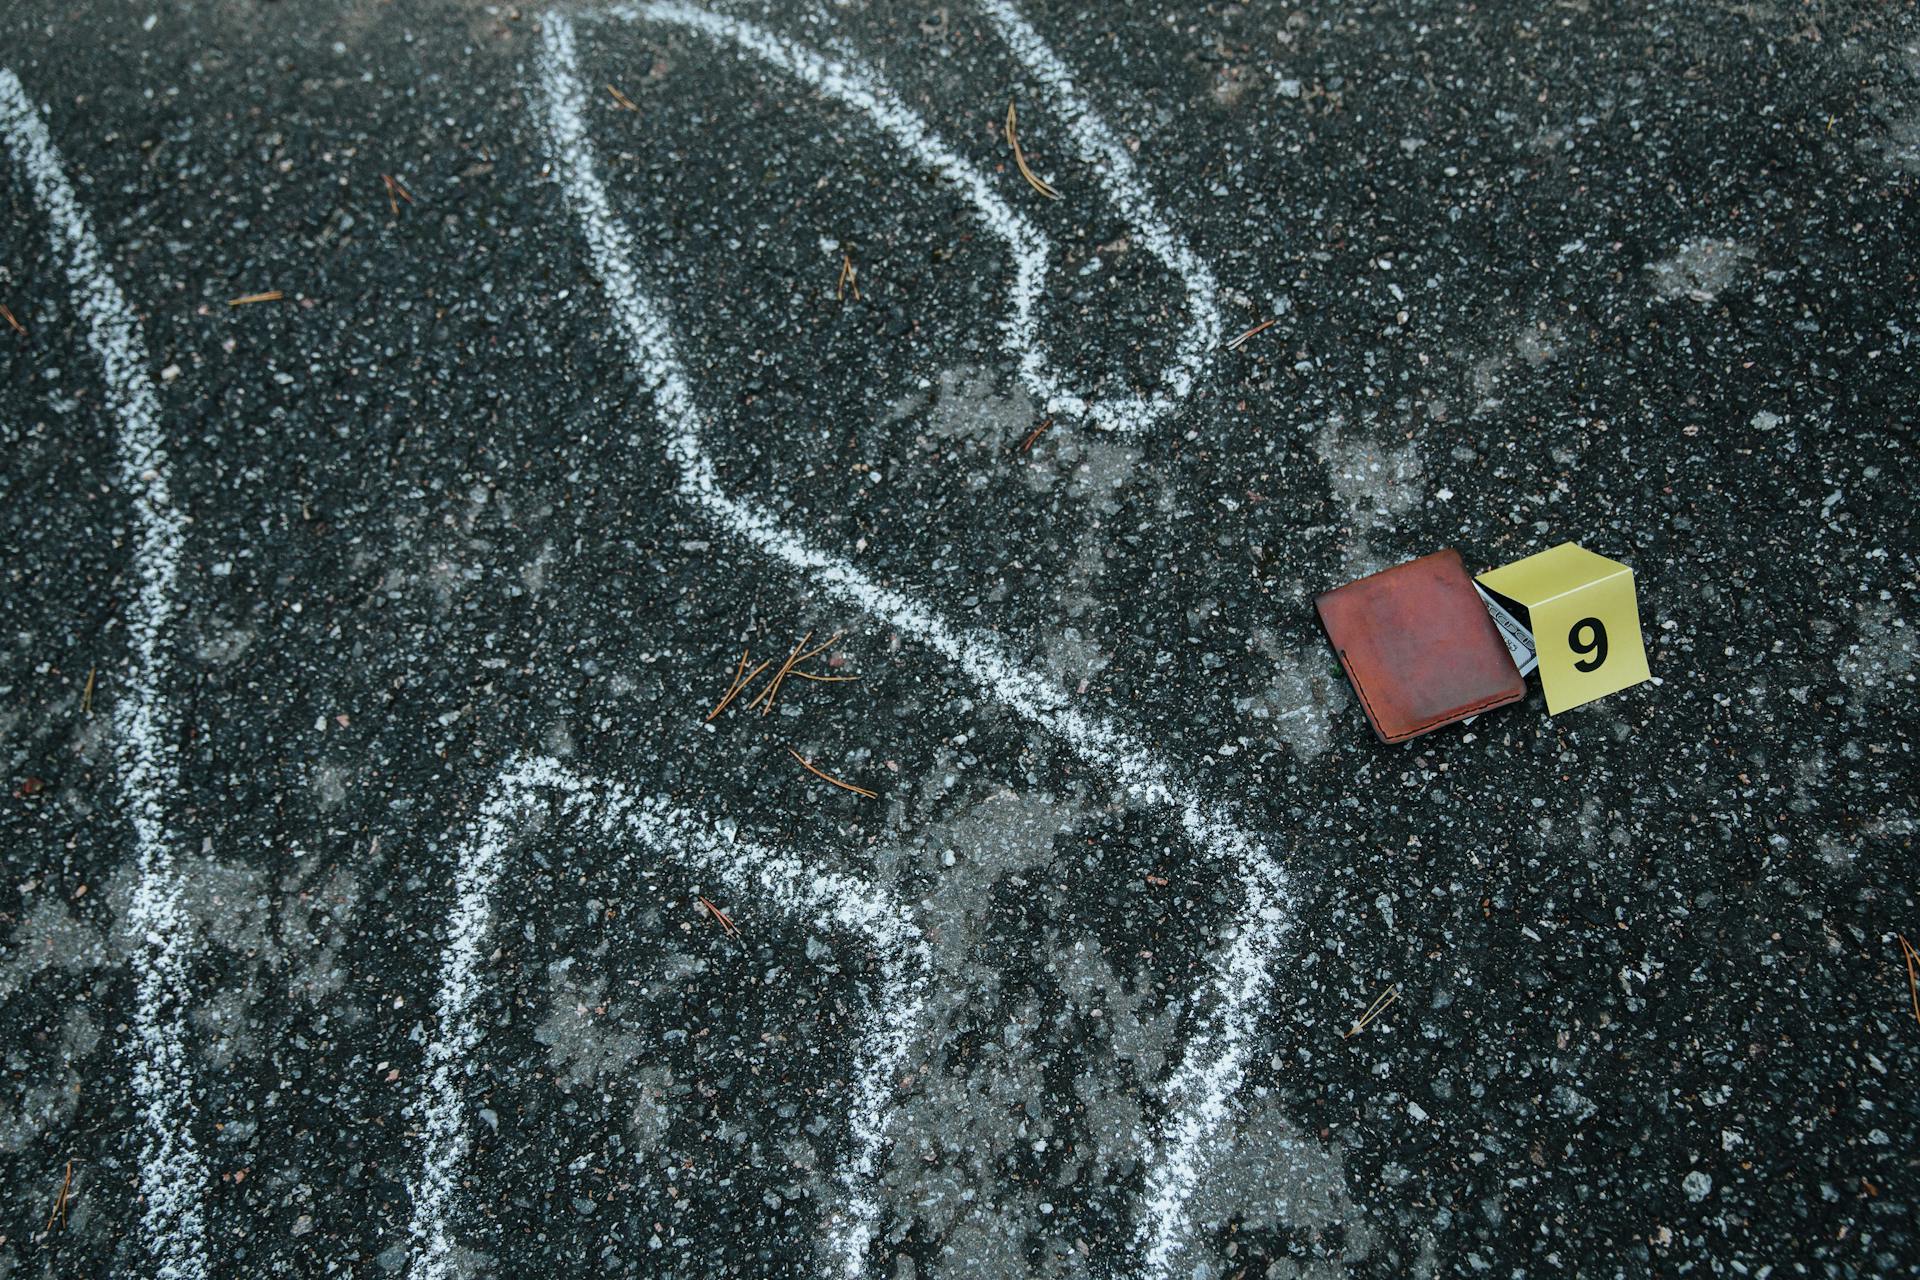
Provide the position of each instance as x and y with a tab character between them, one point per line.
827	777
13	324
271	295
622	99
1374	1010
86	694
1019	157
1037	433
720	918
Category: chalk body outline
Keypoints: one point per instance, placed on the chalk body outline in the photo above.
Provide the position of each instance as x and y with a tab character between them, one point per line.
1202	1086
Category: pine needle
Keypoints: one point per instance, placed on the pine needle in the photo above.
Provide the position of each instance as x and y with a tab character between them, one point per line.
827	777
1019	157
1374	1010
396	192
1913	973
741	679
794	659
772	691
1260	328
721	918
60	1202
271	295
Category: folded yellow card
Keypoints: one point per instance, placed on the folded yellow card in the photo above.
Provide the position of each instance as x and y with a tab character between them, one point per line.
1584	618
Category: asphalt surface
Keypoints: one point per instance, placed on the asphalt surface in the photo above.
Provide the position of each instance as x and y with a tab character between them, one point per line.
1639	277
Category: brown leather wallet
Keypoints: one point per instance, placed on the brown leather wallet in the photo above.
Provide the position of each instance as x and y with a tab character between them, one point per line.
1419	647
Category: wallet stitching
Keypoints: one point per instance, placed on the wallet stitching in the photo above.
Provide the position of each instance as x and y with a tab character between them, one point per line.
1497	699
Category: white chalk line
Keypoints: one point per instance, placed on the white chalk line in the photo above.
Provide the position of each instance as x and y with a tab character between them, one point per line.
1201	1088
172	1174
868	94
1113	168
798	887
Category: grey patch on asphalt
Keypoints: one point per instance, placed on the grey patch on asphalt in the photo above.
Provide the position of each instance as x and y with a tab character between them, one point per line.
1075	596
330	784
220	642
966	1118
1809	780
1535	345
1304	699
651	1117
228	904
1141	1035
582	1028
1097	469
1375	483
1270	1177
533	574
1898	143
1700	270
558	741
50	936
47	1100
1005	834
956	1132
1880	662
1073	658
969	406
317	931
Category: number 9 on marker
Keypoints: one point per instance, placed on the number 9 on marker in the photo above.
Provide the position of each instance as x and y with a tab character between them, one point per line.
1585	622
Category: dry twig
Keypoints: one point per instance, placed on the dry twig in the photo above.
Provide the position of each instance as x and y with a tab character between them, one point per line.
1019	157
271	295
1374	1010
1037	433
13	324
86	694
622	98
827	777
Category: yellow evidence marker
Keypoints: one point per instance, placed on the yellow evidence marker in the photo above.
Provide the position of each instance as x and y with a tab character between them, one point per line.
1585	622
